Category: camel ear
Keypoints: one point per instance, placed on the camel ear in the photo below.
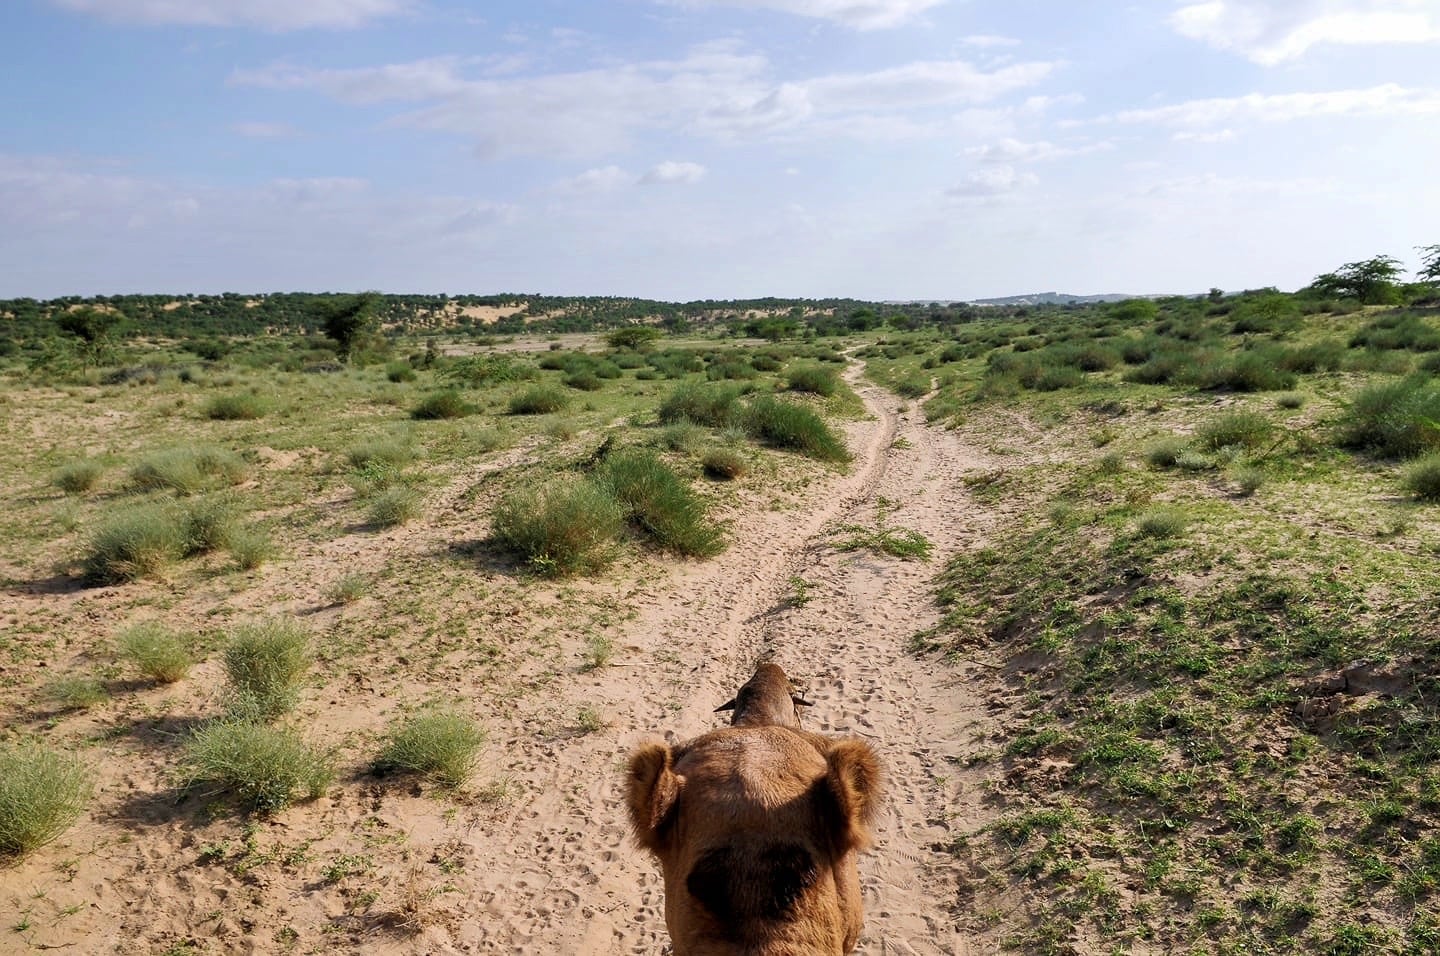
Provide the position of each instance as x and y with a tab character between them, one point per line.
799	701
651	791
728	705
852	788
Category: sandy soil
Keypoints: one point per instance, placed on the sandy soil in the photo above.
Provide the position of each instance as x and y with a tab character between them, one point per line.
550	868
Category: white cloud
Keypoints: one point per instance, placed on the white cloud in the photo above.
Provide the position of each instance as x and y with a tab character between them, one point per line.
670	172
985	40
715	90
602	180
1269	32
1014	151
858	14
261	130
264	14
992	182
1389	99
1218	136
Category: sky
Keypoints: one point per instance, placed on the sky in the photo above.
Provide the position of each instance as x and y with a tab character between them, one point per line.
692	149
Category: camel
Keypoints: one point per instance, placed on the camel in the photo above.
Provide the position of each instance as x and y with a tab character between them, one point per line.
757	828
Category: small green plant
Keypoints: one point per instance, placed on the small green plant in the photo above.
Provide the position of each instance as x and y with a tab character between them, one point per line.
1235	429
883	539
156	651
661	505
724	464
250	547
394	506
265	768
349	589
395	452
1161	521
1422	478
210	524
1249	479
799	595
188	470
76	693
589	720
1165	453
42	791
599	649
135	542
240	406
538	400
441	744
785	424
446	403
560	528
266	663
77	477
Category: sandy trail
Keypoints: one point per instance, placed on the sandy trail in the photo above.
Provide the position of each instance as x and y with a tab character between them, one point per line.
558	874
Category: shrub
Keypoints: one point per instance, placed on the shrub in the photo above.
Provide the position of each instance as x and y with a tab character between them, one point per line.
188	470
446	403
584	381
250	547
913	386
266	663
787	425
1397	419
710	405
660	504
77	477
394	506
156	651
438	744
1249	480
565	526
76	693
1291	400
1242	429
42	791
1326	356
730	370
538	400
209	524
140	541
724	464
683	436
389	451
1254	371
1162	521
1422	479
399	372
482	370
240	406
264	767
1165	453
816	379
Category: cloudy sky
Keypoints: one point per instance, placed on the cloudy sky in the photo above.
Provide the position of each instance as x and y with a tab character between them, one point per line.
683	149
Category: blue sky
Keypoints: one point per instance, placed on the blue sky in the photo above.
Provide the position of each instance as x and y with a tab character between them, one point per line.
683	149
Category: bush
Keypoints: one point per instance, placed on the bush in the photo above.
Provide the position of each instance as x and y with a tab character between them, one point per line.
250	547
446	403
1397	420
394	506
563	527
1241	429
1163	521
399	372
1254	371
1422	479
188	470
816	379
724	464
538	400
42	791
584	381
660	504
730	370
1249	479
913	386
241	406
77	477
710	405
1165	453
438	744
1291	400
156	651
264	767
140	541
787	425
387	451
1326	356
266	663
209	525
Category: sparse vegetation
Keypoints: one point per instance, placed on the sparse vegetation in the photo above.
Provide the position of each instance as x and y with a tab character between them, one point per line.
156	651
77	477
563	527
42	791
265	663
440	744
264	768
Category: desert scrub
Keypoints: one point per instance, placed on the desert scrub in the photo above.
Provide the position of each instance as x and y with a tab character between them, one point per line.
265	768
77	477
784	424
42	791
883	539
1161	521
250	547
209	524
447	403
1165	452
660	505
349	589
724	464
913	386
563	527
1234	429
265	663
713	406
188	470
240	406
440	744
394	506
815	379
538	400
1249	479
394	452
138	541
1422	479
156	651
1396	420
399	372
76	693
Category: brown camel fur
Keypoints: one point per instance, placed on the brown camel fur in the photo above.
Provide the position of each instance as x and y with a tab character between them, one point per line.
757	828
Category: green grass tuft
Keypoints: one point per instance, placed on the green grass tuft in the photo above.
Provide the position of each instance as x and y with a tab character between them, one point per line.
784	424
661	505
1422	478
1396	420
394	506
813	378
724	464
42	791
1235	429
265	663
188	470
539	400
563	527
713	406
440	744
446	403
240	406
156	651
265	768
77	477
138	541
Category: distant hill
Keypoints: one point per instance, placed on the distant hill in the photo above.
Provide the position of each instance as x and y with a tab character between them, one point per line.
1055	298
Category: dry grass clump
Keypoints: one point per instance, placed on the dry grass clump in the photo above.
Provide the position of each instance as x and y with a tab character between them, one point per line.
188	470
265	663
1161	521
394	506
724	464
156	651
136	542
240	406
77	692
563	527
440	744
1422	479
77	477
265	768
42	791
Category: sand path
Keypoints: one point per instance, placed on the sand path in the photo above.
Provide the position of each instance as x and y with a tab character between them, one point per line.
557	874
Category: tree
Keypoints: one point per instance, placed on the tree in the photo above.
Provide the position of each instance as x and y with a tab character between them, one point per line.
92	329
1429	263
1372	281
347	319
634	337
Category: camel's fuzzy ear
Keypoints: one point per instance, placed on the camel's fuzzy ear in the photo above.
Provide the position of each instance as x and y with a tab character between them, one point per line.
650	792
852	787
728	705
